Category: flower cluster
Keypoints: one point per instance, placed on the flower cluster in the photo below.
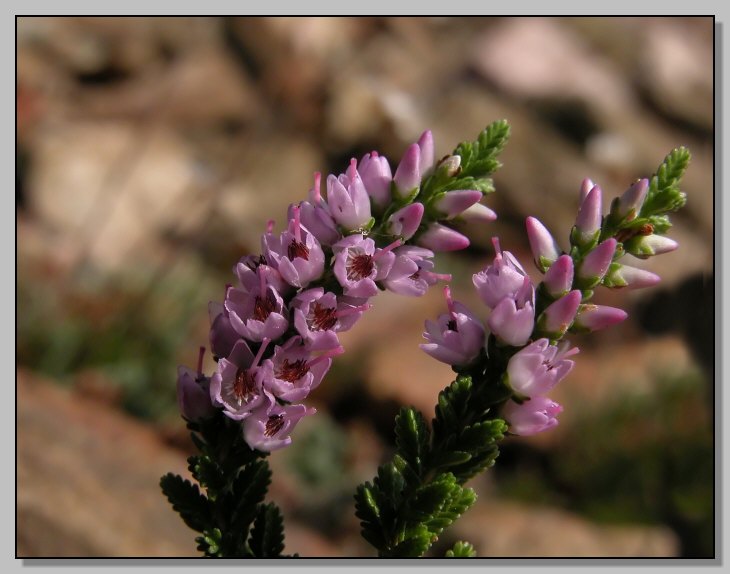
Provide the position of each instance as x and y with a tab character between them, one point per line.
526	321
276	332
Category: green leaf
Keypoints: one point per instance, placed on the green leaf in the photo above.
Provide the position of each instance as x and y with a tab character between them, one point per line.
482	435
430	499
446	458
452	407
412	439
210	542
478	463
478	159
267	534
368	511
186	499
664	194
418	541
207	473
461	550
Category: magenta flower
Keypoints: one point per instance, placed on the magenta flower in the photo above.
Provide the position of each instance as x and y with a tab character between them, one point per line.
238	384
296	252
404	222
453	203
249	269
441	238
457	337
595	317
591	270
532	416
295	372
315	215
407	176
537	368
259	314
412	273
222	334
268	427
348	200
319	316
559	315
503	278
513	319
358	264
544	248
375	172
559	277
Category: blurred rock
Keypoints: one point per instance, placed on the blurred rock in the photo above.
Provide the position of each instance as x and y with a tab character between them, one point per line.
509	530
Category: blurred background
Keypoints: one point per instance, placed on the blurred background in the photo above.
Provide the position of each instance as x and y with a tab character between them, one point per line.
152	151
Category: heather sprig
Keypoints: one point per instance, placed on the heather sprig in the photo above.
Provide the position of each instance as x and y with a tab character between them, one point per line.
275	334
510	355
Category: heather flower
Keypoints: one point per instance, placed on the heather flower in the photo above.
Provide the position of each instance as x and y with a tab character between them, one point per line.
407	176
375	172
513	319
645	246
348	201
457	337
534	370
426	157
222	334
249	269
296	252
453	203
559	277
544	248
479	213
193	394
591	270
404	222
629	204
412	272
503	278
592	317
237	385
358	264
259	314
533	416
441	238
319	316
559	315
631	277
588	221
268	427
585	187
315	215
295	372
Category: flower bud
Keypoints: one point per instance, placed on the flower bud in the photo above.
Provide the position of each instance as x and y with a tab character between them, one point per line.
557	318
588	221
594	266
478	212
544	248
193	398
348	201
441	238
533	416
595	317
450	166
585	187
453	203
559	277
376	176
631	277
425	143
645	246
407	176
629	204
404	222
513	319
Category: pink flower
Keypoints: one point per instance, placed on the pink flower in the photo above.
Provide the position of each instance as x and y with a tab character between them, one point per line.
315	215
377	178
426	157
259	314
544	248
595	317
412	273
358	265
629	204
269	426
237	385
557	318
193	394
503	278
513	319
453	203
222	334
533	416
588	221
537	368
348	200
407	176
631	278
457	337
441	238
645	246
479	213
404	222
559	277
591	270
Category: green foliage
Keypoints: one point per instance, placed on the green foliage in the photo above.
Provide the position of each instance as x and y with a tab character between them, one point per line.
267	535
187	501
412	438
478	158
664	194
461	550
